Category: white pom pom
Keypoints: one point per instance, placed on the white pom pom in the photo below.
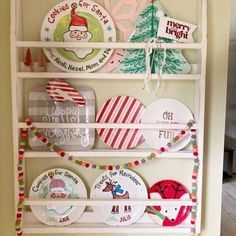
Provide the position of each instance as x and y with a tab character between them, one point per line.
160	14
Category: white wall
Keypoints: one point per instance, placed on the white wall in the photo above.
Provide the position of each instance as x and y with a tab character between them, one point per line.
230	131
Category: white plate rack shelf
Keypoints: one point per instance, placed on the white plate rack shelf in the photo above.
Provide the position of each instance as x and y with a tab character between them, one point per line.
88	223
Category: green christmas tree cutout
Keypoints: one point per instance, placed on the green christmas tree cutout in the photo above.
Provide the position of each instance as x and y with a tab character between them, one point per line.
146	28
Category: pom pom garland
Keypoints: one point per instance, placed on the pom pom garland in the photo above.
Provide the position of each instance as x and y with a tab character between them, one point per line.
194	182
19	215
129	165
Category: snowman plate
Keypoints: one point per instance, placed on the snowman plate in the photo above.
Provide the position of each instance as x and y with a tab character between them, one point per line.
57	184
76	21
166	111
168	215
119	184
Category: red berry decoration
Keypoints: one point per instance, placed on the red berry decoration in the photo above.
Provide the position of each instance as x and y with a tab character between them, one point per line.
110	168
87	165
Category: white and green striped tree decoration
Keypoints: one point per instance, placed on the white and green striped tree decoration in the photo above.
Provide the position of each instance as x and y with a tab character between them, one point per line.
146	28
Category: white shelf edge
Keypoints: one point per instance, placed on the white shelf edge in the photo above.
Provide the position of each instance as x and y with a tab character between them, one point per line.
90	223
105	45
107	126
102	229
112	153
102	76
106	202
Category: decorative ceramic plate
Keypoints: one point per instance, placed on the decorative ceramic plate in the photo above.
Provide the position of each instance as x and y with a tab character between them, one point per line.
57	184
168	215
166	111
120	184
78	21
121	109
43	107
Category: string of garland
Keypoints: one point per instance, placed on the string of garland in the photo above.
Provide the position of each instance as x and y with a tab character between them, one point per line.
61	153
21	157
128	165
194	182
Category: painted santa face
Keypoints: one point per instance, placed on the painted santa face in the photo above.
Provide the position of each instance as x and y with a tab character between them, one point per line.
81	36
58	192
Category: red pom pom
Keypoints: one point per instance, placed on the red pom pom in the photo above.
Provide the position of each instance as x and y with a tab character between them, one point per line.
44	140
192	222
87	165
195	154
62	154
182	132
136	163
110	168
28	122
21	152
162	149
21	174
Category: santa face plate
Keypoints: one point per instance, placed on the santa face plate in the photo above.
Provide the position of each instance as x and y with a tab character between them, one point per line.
57	184
168	215
120	184
78	21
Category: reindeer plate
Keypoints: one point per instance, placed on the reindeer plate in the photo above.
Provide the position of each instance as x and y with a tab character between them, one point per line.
58	184
168	215
120	184
81	21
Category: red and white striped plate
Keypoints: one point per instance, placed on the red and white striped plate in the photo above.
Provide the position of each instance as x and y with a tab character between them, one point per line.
61	91
121	109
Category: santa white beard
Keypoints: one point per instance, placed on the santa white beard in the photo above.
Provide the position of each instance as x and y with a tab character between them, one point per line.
82	52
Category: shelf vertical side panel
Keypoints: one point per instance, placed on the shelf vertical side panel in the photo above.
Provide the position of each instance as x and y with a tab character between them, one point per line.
201	118
15	34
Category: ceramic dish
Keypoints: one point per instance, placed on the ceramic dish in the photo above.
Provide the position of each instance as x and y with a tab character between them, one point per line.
120	184
78	22
42	108
166	111
121	109
168	215
57	184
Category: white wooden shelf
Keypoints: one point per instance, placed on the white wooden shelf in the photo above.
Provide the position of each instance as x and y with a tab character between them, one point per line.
138	153
108	126
107	202
89	223
102	76
39	44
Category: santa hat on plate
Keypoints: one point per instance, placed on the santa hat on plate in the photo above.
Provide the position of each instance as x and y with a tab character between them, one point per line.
77	22
57	185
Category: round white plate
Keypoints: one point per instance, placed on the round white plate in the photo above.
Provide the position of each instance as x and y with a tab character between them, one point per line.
57	184
121	184
166	111
78	21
